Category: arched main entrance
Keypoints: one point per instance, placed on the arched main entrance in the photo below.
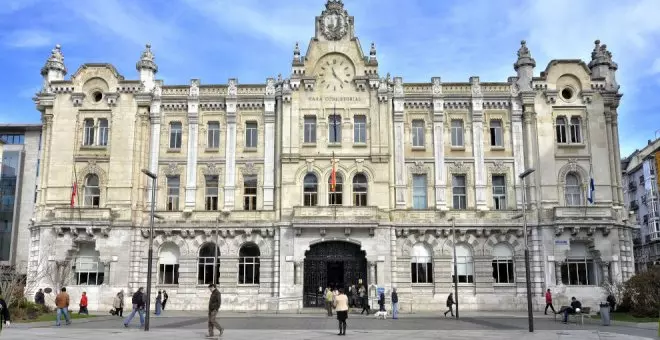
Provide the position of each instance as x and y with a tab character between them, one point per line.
334	263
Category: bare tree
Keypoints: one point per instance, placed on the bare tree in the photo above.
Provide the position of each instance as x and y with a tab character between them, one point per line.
12	283
59	274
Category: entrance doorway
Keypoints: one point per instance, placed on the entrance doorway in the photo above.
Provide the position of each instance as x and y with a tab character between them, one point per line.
334	264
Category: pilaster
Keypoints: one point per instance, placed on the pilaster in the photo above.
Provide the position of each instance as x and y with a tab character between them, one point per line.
439	144
518	151
191	166
269	144
230	155
528	145
478	144
617	154
610	154
399	150
154	148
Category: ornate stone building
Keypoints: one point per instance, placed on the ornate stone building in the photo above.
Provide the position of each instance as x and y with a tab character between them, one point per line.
248	167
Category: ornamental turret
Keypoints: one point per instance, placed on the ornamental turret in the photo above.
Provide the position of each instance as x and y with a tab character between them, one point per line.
524	66
54	68
147	68
602	65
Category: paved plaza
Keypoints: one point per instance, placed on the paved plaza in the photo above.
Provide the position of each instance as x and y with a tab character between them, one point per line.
192	325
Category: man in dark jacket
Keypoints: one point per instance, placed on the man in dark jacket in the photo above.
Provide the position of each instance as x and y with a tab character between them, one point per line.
574	308
395	304
5	319
450	304
214	305
138	307
39	297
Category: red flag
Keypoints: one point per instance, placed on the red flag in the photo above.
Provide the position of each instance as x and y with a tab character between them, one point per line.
74	192
333	175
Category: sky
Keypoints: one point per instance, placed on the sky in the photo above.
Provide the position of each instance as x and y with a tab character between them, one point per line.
251	40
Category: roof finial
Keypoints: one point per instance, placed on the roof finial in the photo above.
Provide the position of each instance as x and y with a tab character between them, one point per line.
600	55
147	60
55	61
372	52
524	56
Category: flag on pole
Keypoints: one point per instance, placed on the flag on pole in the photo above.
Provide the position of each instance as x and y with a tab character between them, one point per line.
334	124
333	175
74	193
592	186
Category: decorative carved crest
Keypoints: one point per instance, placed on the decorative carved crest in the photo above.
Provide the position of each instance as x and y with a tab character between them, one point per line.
359	164
172	170
436	87
477	104
458	167
334	20
515	90
211	169
270	87
249	169
476	87
419	168
498	167
310	164
194	88
398	86
157	91
232	87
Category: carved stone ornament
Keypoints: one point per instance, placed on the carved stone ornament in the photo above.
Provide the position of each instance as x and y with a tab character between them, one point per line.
310	164
249	169
172	170
194	88
458	167
157	91
270	87
232	87
476	88
436	87
334	20
515	90
211	169
398	86
498	167
419	168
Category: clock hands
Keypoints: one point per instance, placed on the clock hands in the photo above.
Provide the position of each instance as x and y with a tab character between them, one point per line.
335	74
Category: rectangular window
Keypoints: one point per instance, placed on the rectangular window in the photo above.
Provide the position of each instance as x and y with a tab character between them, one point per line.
334	129
88	135
104	131
418	132
465	268
419	192
459	191
496	133
205	269
251	135
560	128
421	270
503	270
88	271
456	132
576	130
360	129
173	193
175	135
248	270
168	274
15	138
213	135
499	192
211	194
250	192
578	272
309	130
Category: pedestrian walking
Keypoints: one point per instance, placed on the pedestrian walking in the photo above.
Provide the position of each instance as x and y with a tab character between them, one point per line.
165	297
215	302
395	304
548	302
138	307
118	304
381	302
62	303
5	318
40	298
329	297
341	306
83	304
364	297
159	302
450	304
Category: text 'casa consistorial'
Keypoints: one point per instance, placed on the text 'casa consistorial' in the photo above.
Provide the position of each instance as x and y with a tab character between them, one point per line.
334	99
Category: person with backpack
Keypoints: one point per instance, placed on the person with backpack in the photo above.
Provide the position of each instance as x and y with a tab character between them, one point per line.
138	307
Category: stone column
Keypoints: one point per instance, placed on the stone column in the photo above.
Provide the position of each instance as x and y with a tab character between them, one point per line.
478	144
300	267
230	155
611	154
399	149
193	130
528	148
47	134
605	266
558	272
617	154
269	144
518	151
372	273
439	144
154	148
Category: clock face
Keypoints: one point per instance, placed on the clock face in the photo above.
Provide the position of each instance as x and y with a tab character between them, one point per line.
335	72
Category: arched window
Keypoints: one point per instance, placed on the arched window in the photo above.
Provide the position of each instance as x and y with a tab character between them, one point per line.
578	270
421	264
92	192
360	187
560	127
207	261
335	197
464	264
576	130
168	264
503	264
572	190
88	269
88	138
248	264
310	190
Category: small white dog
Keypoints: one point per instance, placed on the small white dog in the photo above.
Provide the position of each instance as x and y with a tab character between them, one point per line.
381	315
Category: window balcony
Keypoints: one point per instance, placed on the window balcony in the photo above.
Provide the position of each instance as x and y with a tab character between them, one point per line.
336	212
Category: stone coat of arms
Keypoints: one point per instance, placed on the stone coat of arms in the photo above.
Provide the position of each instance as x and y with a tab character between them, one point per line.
334	21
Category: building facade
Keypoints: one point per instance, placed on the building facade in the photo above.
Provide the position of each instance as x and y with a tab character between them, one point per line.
641	185
18	190
333	175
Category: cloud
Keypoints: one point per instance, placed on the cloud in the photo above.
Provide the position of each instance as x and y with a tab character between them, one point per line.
28	39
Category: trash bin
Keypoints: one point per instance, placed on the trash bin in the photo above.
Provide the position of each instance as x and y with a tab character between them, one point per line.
605	313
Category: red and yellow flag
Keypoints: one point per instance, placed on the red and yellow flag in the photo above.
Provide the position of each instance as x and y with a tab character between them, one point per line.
74	193
333	175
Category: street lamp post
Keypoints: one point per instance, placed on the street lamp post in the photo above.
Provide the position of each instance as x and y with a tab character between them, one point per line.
453	232
530	314
150	257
